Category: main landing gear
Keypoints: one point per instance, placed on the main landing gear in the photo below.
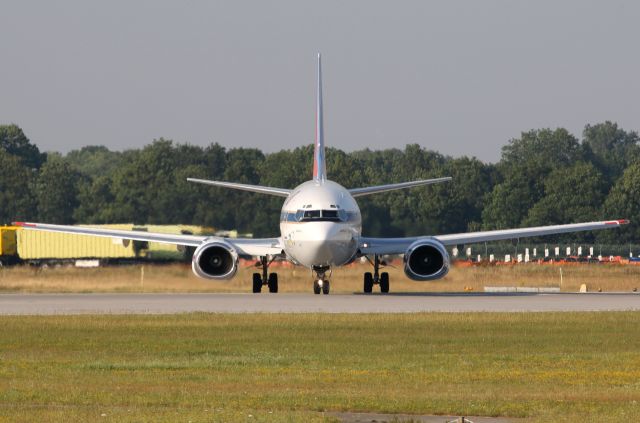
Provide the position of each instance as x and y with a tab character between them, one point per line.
321	282
269	279
376	278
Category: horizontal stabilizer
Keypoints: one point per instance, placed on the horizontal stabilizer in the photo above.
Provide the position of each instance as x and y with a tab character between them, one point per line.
280	192
358	192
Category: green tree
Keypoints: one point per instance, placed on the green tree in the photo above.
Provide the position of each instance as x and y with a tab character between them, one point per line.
144	187
15	142
572	194
249	212
287	168
523	168
96	202
458	205
57	192
94	160
545	176
16	198
623	202
542	149
610	148
507	204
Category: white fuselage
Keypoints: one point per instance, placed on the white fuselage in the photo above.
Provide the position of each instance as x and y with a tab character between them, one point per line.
320	224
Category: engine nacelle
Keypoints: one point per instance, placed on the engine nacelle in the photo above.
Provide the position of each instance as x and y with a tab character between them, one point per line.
215	259
426	260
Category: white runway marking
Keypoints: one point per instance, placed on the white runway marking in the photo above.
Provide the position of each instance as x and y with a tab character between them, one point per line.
49	304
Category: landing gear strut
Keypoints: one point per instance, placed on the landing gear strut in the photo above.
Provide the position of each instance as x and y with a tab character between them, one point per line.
376	278
269	279
321	282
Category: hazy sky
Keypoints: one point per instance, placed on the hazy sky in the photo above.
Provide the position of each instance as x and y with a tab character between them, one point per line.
459	77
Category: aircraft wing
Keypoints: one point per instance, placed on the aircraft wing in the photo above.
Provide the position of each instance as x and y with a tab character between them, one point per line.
245	246
400	245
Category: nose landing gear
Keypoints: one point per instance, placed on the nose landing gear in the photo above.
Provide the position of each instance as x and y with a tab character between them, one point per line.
376	278
321	283
269	279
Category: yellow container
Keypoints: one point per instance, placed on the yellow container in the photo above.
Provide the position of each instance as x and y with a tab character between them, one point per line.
33	244
174	229
8	245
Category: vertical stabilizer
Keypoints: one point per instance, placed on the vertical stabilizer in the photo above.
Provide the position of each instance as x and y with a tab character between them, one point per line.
319	166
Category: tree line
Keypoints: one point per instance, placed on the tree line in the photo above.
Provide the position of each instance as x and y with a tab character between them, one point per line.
546	176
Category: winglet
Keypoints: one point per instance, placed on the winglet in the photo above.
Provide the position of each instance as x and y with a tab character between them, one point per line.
319	166
23	224
618	222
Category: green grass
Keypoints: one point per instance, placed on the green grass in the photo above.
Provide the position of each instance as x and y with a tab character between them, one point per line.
217	367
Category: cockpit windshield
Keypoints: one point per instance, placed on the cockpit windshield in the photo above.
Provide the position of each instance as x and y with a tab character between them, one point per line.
330	214
321	216
311	215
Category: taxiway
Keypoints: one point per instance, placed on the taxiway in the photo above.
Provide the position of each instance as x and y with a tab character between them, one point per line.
51	304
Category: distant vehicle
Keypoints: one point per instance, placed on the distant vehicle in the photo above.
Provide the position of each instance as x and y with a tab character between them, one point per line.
320	228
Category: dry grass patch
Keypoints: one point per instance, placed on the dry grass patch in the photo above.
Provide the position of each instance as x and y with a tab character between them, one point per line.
179	278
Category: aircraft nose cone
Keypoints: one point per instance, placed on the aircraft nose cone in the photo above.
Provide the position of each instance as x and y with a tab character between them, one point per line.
324	243
330	232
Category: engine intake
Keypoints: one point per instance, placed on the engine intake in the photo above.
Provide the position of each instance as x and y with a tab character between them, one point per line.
426	260
215	260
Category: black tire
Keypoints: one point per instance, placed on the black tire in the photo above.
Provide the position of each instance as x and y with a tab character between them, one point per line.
384	282
368	283
273	283
326	287
257	283
316	288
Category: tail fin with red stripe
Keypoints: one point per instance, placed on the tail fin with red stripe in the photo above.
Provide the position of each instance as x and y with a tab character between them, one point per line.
319	166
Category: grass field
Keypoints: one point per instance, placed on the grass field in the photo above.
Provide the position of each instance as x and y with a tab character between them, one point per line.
544	367
179	278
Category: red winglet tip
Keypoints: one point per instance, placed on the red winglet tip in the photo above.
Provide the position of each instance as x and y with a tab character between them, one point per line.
618	222
22	224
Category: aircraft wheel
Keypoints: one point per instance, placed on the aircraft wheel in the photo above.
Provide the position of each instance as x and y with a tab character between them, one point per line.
273	283
316	287
384	282
368	283
325	287
257	283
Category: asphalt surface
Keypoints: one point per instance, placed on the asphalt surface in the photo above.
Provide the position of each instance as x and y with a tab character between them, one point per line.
45	304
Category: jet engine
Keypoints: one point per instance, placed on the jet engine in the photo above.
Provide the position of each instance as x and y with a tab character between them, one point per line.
215	259
426	260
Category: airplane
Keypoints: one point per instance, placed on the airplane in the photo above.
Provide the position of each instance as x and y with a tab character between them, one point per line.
321	228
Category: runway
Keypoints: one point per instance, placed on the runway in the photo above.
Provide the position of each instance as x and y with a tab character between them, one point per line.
52	304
